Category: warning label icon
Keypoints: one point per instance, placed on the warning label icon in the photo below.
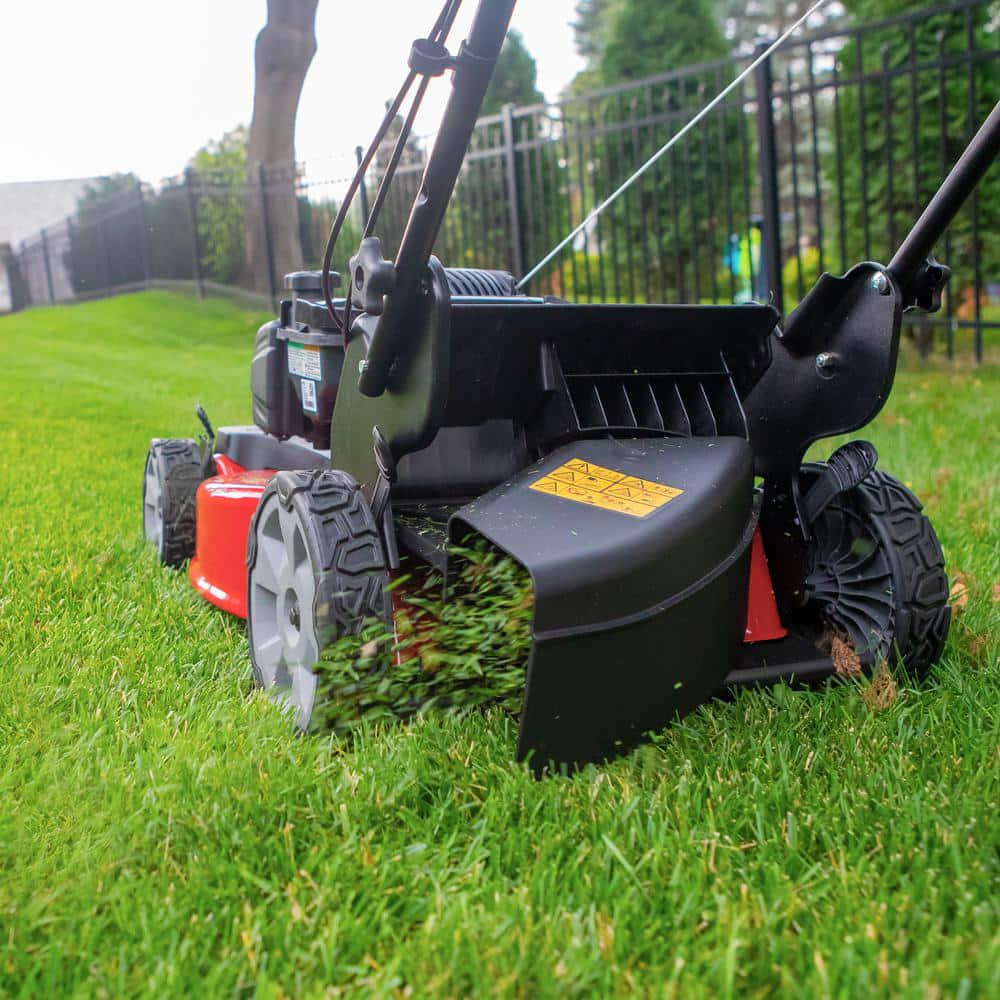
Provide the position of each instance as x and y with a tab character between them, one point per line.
592	484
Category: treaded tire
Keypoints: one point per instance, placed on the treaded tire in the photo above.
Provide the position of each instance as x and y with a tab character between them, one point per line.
315	571
171	476
877	573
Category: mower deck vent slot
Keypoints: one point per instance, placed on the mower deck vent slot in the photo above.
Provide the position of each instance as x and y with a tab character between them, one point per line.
617	408
726	406
587	403
675	415
686	405
649	409
699	409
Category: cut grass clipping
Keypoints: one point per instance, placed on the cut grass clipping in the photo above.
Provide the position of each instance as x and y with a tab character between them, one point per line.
453	651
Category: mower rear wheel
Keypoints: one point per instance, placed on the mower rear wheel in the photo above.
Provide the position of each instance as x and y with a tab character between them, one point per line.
316	571
171	477
877	574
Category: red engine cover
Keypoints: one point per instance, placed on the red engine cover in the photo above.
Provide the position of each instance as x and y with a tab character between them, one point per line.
225	506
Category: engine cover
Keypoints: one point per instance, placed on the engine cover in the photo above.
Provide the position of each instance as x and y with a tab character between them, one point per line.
225	507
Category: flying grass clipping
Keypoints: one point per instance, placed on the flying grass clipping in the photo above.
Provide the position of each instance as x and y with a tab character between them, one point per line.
449	652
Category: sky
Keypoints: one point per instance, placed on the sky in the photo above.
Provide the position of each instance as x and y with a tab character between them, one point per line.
91	88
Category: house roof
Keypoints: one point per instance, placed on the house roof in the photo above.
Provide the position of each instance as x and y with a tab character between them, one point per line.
28	206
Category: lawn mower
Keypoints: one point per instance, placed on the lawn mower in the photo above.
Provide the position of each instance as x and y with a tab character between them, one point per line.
644	463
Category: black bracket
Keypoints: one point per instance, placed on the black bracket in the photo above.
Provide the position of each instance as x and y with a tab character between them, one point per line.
430	58
372	277
924	293
206	442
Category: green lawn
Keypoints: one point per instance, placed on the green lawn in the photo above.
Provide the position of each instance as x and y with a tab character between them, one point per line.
162	831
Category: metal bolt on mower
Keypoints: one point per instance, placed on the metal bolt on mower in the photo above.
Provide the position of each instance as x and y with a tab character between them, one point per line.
644	463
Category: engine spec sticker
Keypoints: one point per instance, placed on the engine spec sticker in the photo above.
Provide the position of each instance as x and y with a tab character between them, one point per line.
304	361
592	484
309	396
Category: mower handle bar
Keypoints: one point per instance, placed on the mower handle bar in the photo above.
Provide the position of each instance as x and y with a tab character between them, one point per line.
476	61
979	155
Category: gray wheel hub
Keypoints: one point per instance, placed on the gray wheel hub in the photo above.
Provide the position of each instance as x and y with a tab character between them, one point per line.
284	642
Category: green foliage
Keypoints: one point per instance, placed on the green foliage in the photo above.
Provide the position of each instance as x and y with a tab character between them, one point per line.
665	238
477	231
592	25
220	167
164	832
579	277
903	164
115	229
466	650
799	274
514	78
744	23
315	220
649	36
103	190
628	39
594	19
104	246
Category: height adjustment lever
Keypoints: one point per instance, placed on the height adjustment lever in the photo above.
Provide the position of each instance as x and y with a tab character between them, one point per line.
846	468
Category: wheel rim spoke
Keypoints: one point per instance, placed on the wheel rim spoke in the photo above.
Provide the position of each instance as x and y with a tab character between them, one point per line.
283	588
850	580
302	695
269	569
152	514
304	584
291	536
268	657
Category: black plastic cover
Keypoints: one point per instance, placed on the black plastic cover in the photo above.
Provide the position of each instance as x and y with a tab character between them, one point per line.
638	617
276	409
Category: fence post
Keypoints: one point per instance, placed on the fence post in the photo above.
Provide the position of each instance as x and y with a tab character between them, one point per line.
359	154
17	287
48	267
265	219
143	234
770	277
192	200
105	254
513	199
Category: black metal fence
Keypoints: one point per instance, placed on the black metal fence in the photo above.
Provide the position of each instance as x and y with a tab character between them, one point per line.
823	158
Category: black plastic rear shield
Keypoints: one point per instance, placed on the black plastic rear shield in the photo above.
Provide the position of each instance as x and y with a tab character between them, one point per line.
640	584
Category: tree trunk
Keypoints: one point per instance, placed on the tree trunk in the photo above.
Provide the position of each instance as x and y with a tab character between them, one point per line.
285	47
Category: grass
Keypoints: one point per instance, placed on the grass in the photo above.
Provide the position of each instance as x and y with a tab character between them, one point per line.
163	832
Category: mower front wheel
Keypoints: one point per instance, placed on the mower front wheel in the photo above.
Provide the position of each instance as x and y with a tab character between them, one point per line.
316	571
171	477
877	574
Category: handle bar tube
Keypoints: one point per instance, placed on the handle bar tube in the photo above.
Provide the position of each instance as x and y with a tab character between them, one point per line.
979	155
472	77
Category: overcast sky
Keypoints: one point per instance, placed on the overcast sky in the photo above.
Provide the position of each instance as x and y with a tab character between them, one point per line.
90	88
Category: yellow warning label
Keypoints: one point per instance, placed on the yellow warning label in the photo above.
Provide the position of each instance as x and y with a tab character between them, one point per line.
592	484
